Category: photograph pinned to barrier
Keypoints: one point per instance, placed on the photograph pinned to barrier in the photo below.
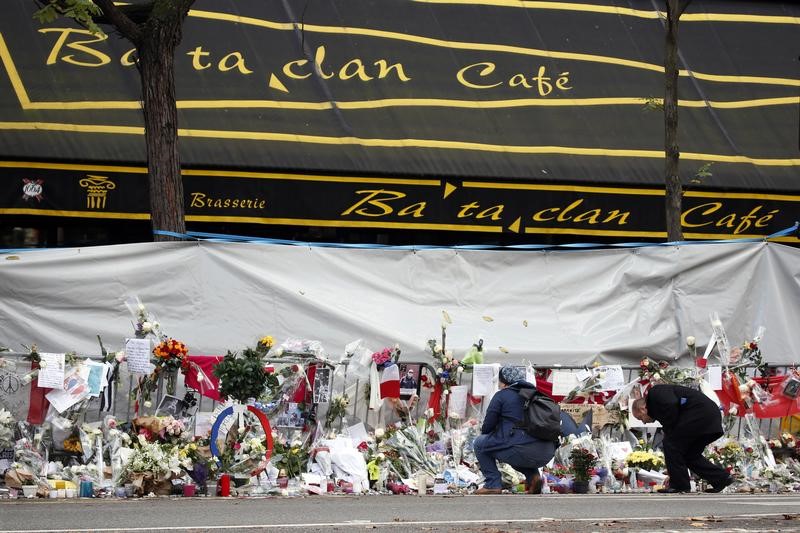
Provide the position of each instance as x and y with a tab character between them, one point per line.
322	385
409	380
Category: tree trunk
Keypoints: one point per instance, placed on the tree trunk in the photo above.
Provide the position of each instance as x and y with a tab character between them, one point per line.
674	189
156	61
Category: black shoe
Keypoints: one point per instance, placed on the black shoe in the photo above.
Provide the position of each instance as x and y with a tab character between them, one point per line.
670	490
720	486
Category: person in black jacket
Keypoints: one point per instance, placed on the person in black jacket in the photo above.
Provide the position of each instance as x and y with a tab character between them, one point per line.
691	421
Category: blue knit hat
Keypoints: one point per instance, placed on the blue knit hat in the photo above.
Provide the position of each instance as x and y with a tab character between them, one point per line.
511	374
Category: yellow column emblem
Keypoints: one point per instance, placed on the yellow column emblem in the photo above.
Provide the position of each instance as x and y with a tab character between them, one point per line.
97	188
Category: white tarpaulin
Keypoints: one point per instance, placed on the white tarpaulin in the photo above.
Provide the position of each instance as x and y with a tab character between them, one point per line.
568	307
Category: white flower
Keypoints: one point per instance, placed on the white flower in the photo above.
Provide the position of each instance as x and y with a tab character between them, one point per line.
656	376
147	327
449	354
120	356
460	369
141	307
744	389
733	410
381	456
296	443
156	325
437	348
242	430
429	412
42	364
445	392
277	352
148	404
379	433
142	440
690	340
200	377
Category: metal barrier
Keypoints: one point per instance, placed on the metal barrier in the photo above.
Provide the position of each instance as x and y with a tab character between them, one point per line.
356	389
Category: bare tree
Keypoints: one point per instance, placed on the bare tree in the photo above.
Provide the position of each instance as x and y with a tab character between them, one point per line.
155	30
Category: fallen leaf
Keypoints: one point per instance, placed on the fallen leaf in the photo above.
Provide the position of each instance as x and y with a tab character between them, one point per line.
488	318
503	349
525	323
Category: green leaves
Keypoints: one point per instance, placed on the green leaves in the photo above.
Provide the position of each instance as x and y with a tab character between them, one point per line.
242	377
82	11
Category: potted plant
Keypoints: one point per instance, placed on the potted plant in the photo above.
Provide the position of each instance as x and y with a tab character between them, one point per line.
583	461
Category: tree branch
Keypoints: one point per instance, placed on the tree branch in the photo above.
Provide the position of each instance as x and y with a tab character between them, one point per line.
122	22
682	5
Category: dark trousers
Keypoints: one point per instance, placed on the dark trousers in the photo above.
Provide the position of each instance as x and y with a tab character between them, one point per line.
684	453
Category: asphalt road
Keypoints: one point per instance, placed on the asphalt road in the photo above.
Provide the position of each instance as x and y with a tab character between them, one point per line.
484	514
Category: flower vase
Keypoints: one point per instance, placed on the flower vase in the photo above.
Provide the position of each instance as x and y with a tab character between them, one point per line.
580	486
172	381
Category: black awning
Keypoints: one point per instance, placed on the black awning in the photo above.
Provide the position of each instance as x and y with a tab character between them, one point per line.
541	92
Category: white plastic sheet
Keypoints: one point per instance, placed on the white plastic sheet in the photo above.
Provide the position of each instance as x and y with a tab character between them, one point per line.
567	307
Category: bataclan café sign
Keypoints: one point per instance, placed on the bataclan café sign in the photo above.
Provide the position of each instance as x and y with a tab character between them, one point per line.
351	120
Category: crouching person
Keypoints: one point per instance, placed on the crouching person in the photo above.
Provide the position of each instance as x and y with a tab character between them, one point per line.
501	441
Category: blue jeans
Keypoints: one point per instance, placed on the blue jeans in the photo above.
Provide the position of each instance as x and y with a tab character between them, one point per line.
525	458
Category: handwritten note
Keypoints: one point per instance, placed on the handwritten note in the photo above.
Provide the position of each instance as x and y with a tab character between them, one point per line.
137	352
613	377
484	379
51	376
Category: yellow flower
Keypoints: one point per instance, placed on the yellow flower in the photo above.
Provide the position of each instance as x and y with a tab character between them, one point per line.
267	341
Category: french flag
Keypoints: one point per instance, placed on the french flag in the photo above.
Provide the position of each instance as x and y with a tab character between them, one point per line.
390	382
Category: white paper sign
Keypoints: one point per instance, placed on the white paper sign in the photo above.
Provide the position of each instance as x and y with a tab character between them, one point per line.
618	451
203	422
457	408
358	433
613	377
75	389
52	375
137	352
484	379
530	374
714	377
563	382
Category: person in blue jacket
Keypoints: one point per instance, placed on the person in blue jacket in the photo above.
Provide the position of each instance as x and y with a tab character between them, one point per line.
501	441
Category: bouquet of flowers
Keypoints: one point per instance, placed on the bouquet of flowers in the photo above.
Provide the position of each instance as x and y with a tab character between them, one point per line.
291	457
336	410
144	324
744	357
386	357
645	460
410	443
448	368
662	372
150	467
170	356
